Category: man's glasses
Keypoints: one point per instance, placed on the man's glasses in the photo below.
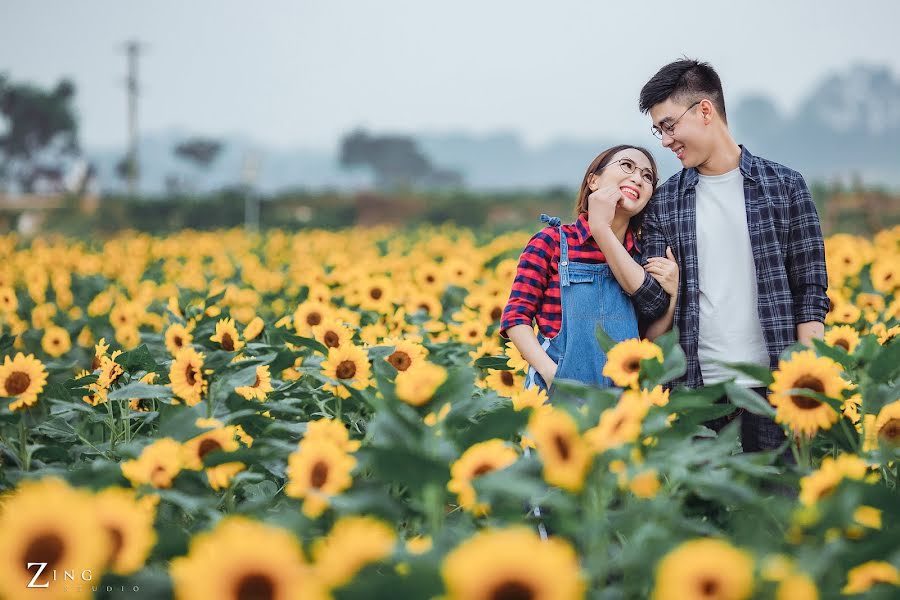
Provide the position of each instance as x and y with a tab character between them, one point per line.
669	128
629	167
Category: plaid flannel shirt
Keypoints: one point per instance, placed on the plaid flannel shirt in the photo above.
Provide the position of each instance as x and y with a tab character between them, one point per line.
788	251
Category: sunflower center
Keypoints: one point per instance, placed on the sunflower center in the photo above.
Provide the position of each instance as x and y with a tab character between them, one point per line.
424	307
319	474
507	378
206	446
117	540
810	383
256	383
17	383
429	278
313	318
843	343
376	293
178	341
562	446
346	370
496	313
709	587
633	365
255	586
95	364
512	590
190	376
400	360
159	477
482	469
332	340
227	342
890	432
45	548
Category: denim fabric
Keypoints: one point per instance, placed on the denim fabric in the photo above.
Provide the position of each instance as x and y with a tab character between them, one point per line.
590	297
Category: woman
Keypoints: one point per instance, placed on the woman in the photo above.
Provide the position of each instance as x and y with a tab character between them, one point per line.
564	282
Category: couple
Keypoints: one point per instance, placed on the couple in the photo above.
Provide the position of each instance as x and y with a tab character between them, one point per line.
731	248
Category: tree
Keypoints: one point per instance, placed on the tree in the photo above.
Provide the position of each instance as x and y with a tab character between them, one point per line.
40	133
201	152
396	160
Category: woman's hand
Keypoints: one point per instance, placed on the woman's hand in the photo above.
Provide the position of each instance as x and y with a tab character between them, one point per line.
549	374
602	207
665	271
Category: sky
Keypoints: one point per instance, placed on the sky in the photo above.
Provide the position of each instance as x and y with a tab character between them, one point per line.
303	73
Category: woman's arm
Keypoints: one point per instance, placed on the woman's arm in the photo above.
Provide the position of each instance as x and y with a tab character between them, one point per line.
522	336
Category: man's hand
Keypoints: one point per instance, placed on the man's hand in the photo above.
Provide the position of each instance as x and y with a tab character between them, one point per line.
665	271
602	207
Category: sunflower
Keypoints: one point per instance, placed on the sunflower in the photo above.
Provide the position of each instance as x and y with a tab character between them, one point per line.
220	476
254	328
430	278
376	294
843	336
141	404
186	376
331	430
332	333
406	354
260	387
804	370
318	469
704	568
623	362
618	425
157	465
177	337
348	365
516	360
471	331
50	523
506	383
128	337
22	378
129	524
352	543
827	478
308	315
885	274
489	347
196	448
85	339
428	303
797	586
862	578
498	564
9	303
56	341
418	385
533	397
565	455
227	335
242	559
433	418
887	425
844	312
110	370
478	460
884	333
645	484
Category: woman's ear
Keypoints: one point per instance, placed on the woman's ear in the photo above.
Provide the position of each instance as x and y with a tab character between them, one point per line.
593	182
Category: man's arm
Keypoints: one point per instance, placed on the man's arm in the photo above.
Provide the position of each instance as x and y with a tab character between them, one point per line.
650	299
805	263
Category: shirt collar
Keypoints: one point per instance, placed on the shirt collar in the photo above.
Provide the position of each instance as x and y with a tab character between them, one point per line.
583	232
747	166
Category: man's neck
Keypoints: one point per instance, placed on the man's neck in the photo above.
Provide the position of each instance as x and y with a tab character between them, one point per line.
725	157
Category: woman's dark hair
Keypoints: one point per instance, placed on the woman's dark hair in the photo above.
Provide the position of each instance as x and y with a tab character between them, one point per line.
685	81
598	164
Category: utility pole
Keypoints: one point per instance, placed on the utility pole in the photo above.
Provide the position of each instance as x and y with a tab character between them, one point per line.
133	49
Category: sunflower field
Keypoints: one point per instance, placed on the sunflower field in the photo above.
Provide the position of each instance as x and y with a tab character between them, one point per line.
332	414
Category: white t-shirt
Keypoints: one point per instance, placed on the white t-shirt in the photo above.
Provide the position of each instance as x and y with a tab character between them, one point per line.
730	329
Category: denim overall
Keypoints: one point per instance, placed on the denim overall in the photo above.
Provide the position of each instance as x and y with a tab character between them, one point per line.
590	296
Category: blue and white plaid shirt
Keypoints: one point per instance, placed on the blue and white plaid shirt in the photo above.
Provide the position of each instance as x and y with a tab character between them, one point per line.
788	251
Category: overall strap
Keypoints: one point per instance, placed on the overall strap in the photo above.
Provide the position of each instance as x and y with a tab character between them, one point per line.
563	248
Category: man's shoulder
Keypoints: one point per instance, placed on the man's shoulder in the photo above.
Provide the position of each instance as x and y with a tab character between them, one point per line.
770	171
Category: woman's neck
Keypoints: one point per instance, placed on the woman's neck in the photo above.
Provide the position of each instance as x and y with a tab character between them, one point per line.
620	225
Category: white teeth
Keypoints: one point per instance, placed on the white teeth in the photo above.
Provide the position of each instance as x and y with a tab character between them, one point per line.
630	193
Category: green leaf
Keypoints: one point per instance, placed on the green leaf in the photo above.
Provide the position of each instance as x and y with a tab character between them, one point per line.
138	359
835	353
749	400
406	466
140	391
503	423
498	363
886	365
757	372
606	342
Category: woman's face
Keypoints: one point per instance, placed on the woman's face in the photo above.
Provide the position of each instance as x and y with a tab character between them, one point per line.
636	187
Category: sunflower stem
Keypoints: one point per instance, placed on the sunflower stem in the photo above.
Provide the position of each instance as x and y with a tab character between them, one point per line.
24	458
853	439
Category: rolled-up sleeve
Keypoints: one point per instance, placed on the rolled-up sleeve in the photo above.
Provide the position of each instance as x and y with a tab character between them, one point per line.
530	284
805	262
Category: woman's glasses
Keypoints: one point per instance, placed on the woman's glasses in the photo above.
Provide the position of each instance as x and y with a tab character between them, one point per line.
629	167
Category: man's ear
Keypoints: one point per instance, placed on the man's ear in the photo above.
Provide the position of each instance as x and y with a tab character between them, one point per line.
707	110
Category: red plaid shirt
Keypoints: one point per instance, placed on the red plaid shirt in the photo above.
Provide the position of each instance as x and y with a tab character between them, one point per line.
535	290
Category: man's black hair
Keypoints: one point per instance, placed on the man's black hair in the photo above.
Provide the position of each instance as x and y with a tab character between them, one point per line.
684	81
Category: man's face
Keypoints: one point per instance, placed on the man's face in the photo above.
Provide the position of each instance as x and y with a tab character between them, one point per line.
690	138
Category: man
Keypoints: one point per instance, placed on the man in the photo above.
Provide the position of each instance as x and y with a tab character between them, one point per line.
747	238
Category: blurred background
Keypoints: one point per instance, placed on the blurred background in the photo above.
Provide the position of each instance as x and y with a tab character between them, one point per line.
166	115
